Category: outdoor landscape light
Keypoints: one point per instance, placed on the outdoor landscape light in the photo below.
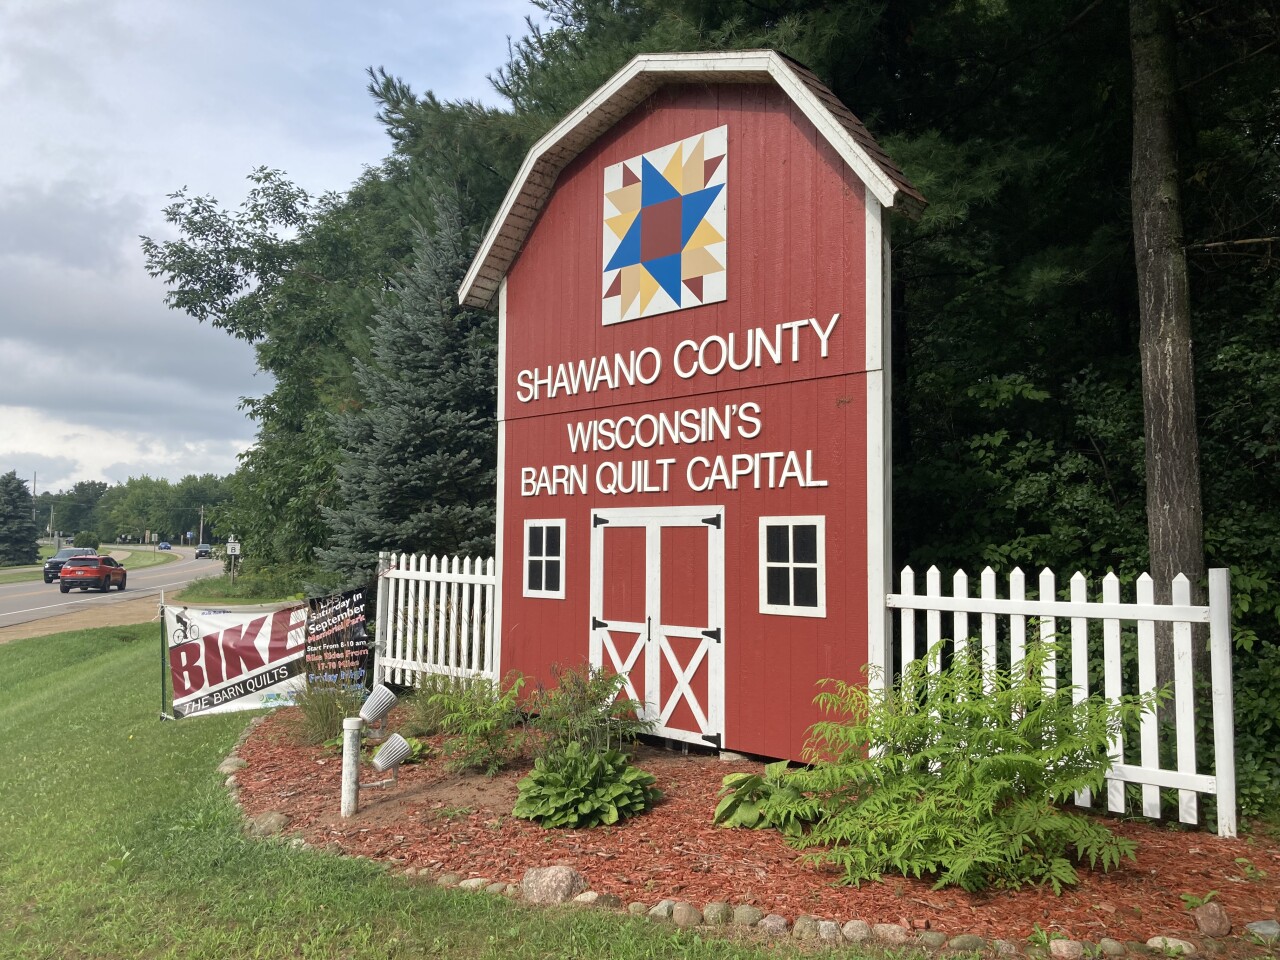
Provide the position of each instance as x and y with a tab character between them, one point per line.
391	754
379	704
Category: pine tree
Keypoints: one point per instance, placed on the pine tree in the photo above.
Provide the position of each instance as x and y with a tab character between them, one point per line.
420	454
17	527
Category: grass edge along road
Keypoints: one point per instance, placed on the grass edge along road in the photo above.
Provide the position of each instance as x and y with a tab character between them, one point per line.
119	840
135	559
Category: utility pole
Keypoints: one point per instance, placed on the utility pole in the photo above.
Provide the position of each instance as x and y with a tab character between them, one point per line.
201	540
33	495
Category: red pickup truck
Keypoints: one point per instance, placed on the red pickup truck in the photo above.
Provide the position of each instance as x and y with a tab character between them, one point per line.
86	572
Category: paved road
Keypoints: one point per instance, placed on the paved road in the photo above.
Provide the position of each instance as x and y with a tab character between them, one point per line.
37	600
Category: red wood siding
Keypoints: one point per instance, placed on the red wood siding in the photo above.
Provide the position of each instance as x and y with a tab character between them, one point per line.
796	234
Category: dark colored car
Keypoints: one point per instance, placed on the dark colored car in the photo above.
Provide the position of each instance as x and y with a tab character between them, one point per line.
164	545
203	550
54	563
86	572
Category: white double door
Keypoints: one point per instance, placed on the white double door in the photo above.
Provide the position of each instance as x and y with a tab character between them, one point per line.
657	613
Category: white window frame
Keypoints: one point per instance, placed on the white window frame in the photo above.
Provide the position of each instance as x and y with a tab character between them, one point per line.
791	610
524	550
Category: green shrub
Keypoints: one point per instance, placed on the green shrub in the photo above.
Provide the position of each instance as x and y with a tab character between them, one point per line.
577	787
321	710
963	784
484	723
751	800
87	538
584	708
425	716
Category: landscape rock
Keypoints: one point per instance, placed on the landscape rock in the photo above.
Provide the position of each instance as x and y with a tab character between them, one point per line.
448	879
607	901
662	910
498	887
1171	945
1111	948
806	928
717	914
474	883
1005	947
552	884
637	909
587	899
1066	949
231	765
1212	919
745	915
1268	931
891	933
829	931
686	915
267	824
967	941
932	939
774	925
856	931
513	891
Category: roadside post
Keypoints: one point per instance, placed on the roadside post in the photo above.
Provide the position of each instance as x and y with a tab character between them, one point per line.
233	551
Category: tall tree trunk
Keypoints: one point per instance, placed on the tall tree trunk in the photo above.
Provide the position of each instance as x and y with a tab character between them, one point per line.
1175	526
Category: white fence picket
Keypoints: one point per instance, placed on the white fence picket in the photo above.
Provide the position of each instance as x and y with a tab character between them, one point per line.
1074	647
435	615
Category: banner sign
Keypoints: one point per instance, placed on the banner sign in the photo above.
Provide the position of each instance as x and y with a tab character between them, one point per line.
337	646
224	660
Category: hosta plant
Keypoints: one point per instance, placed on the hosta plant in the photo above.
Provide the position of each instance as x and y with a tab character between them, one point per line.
575	787
745	800
968	778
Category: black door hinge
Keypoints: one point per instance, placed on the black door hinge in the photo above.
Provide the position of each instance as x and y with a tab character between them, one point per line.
597	520
713	739
712	634
712	521
598	624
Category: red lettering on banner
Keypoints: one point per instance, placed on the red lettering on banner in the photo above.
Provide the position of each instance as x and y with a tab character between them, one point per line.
184	665
213	665
239	651
222	657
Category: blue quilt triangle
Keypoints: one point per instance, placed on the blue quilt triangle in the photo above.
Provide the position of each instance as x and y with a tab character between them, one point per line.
654	187
628	251
694	208
666	270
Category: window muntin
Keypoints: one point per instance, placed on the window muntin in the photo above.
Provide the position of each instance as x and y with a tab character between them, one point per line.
544	558
793	575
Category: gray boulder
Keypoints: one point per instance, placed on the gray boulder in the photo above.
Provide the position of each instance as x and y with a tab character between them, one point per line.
552	884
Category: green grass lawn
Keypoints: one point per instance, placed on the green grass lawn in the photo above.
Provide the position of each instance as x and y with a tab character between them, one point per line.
118	840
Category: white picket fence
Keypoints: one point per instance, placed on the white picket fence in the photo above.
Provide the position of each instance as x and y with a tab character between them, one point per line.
435	615
1046	610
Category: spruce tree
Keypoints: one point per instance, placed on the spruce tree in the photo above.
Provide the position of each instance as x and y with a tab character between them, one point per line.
420	452
17	527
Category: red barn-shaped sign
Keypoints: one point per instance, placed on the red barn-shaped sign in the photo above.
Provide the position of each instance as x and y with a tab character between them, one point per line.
691	278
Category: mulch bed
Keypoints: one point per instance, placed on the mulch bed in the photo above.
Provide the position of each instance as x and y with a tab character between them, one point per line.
440	821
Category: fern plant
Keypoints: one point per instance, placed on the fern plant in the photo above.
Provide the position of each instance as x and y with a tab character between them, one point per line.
965	781
484	724
578	787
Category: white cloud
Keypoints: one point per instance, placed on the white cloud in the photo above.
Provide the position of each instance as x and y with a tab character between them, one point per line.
111	105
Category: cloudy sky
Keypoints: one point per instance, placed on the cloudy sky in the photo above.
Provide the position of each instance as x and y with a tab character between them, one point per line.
110	105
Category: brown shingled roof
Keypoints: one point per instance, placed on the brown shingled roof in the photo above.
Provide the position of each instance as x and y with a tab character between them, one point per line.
630	87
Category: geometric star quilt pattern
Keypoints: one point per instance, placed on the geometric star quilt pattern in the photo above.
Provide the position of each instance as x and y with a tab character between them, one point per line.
665	216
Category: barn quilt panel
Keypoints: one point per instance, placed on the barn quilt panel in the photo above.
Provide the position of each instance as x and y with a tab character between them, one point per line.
665	226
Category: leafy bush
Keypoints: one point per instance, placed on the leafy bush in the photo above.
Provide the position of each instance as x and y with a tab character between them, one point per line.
321	710
751	800
963	783
584	708
484	723
426	716
87	538
577	787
